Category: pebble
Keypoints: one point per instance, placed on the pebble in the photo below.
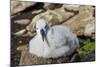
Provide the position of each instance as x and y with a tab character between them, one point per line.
22	21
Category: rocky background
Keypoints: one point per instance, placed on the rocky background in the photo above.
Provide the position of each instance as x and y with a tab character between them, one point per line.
79	18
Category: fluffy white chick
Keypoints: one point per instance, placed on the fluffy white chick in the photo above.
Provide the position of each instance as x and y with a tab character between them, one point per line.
52	42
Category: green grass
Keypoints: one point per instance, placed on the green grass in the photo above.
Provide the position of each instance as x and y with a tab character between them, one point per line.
87	47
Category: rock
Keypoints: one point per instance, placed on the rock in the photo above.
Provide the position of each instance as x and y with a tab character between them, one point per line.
22	47
78	22
20	42
71	7
17	6
20	33
52	6
90	29
22	21
38	11
24	33
56	16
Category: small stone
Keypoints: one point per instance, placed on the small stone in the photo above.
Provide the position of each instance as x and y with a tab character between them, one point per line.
37	11
20	42
22	21
19	33
22	47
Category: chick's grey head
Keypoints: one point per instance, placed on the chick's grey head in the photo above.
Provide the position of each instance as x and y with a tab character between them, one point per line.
42	28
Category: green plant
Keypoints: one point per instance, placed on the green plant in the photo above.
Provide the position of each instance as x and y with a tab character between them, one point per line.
87	47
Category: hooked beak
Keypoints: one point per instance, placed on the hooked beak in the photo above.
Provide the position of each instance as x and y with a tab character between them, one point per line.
43	34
